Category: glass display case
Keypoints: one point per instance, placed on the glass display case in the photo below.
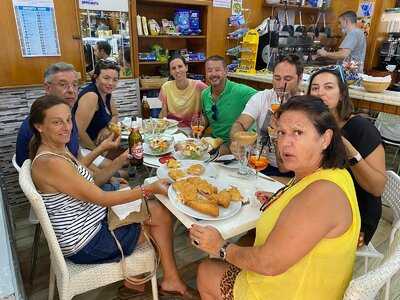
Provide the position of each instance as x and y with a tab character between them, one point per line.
105	35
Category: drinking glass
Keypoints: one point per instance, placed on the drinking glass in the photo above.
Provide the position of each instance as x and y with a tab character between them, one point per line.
197	124
242	141
258	159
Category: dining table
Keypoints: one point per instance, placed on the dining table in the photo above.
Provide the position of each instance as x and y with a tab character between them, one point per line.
246	217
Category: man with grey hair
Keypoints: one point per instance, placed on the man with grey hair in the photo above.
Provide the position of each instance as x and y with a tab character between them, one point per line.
354	44
61	80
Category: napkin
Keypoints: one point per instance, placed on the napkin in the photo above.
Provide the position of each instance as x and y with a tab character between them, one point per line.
179	137
123	210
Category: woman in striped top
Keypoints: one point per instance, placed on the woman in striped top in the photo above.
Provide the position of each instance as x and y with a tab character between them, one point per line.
77	207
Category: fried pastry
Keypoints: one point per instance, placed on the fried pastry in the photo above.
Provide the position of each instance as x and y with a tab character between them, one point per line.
196	169
176	174
173	164
224	198
235	193
204	207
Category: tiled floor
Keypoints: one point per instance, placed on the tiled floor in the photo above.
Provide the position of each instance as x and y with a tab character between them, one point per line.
186	255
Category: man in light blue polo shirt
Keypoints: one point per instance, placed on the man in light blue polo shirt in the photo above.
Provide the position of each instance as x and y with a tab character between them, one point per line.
224	100
354	44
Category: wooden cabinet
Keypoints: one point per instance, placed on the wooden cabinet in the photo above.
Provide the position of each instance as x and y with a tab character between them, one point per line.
163	9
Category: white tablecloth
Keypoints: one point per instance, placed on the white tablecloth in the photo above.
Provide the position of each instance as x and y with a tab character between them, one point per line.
248	215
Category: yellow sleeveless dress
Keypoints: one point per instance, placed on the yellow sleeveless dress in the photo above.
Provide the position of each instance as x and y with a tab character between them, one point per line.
324	273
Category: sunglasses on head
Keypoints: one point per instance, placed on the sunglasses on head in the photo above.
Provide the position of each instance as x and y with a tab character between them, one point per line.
338	69
108	63
214	112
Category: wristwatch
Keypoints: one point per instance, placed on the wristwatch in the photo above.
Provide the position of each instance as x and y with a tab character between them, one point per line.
222	251
355	159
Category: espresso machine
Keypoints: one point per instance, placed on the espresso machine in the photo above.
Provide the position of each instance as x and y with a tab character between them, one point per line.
389	57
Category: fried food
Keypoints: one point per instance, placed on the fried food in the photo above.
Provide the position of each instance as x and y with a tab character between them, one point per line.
176	174
235	193
196	169
115	128
214	142
224	198
200	195
204	207
173	164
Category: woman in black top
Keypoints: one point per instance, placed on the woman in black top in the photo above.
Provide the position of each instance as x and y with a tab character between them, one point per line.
363	146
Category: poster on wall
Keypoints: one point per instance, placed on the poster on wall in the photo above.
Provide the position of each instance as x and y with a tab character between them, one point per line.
107	5
364	14
36	26
237	6
222	3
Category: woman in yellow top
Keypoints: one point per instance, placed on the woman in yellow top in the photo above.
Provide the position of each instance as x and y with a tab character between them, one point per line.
306	237
180	97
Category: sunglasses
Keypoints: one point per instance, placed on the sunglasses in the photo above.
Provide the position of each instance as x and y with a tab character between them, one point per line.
214	112
338	69
275	196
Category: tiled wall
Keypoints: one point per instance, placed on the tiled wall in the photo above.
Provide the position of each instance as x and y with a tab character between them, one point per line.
14	107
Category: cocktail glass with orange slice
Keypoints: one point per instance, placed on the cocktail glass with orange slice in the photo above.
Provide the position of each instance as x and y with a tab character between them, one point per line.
258	159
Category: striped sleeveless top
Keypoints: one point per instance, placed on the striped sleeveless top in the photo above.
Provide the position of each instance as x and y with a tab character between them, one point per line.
75	222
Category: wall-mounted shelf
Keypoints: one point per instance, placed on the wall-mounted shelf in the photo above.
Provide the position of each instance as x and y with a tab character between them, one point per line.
171	36
291	6
164	63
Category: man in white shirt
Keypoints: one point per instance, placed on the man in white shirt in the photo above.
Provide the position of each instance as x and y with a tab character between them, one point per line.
354	44
287	72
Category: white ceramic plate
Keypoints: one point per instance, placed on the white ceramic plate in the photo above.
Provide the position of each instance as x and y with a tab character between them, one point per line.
147	150
232	165
209	170
178	155
169	131
224	213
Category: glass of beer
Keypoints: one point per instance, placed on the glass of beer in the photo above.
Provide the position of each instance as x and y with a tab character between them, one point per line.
243	140
197	124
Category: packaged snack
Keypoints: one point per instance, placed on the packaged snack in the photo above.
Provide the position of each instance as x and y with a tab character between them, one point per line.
154	27
181	21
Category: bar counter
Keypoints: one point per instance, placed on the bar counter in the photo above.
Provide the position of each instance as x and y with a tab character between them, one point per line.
388	101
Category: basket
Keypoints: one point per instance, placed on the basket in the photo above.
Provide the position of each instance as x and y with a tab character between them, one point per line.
375	87
152	82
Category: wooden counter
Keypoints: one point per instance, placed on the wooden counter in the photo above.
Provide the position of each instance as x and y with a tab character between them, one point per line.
388	101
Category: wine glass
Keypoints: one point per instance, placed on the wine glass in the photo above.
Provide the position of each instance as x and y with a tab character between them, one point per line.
197	124
258	159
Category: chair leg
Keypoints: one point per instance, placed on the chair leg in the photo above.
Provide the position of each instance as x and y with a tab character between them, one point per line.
387	290
154	287
35	250
52	282
366	264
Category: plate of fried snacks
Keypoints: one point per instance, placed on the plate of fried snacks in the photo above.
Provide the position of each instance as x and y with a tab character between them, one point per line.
176	169
205	198
159	145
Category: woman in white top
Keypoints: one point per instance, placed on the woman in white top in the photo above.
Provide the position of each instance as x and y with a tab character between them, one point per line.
77	207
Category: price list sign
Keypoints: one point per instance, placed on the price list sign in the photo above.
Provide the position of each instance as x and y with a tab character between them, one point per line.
37	28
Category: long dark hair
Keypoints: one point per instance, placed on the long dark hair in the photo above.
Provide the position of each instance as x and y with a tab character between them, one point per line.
37	115
345	107
334	156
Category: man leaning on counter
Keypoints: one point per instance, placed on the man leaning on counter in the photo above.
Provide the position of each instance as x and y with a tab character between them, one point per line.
354	43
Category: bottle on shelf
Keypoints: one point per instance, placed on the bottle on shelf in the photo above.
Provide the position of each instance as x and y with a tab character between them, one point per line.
145	108
135	144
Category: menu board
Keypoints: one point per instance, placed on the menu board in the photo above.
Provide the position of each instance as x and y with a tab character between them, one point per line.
37	29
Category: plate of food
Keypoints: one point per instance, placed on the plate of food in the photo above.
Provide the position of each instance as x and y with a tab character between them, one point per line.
205	198
174	169
192	149
159	145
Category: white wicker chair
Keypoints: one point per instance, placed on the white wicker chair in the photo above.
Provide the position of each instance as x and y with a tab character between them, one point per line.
367	286
34	221
74	279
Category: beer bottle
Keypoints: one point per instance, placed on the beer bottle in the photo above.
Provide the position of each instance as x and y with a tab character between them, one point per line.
135	143
145	108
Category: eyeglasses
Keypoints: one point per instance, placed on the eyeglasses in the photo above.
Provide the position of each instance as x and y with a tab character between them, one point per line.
214	112
275	196
338	69
66	85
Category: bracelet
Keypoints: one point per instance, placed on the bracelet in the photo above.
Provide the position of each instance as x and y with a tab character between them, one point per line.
146	195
